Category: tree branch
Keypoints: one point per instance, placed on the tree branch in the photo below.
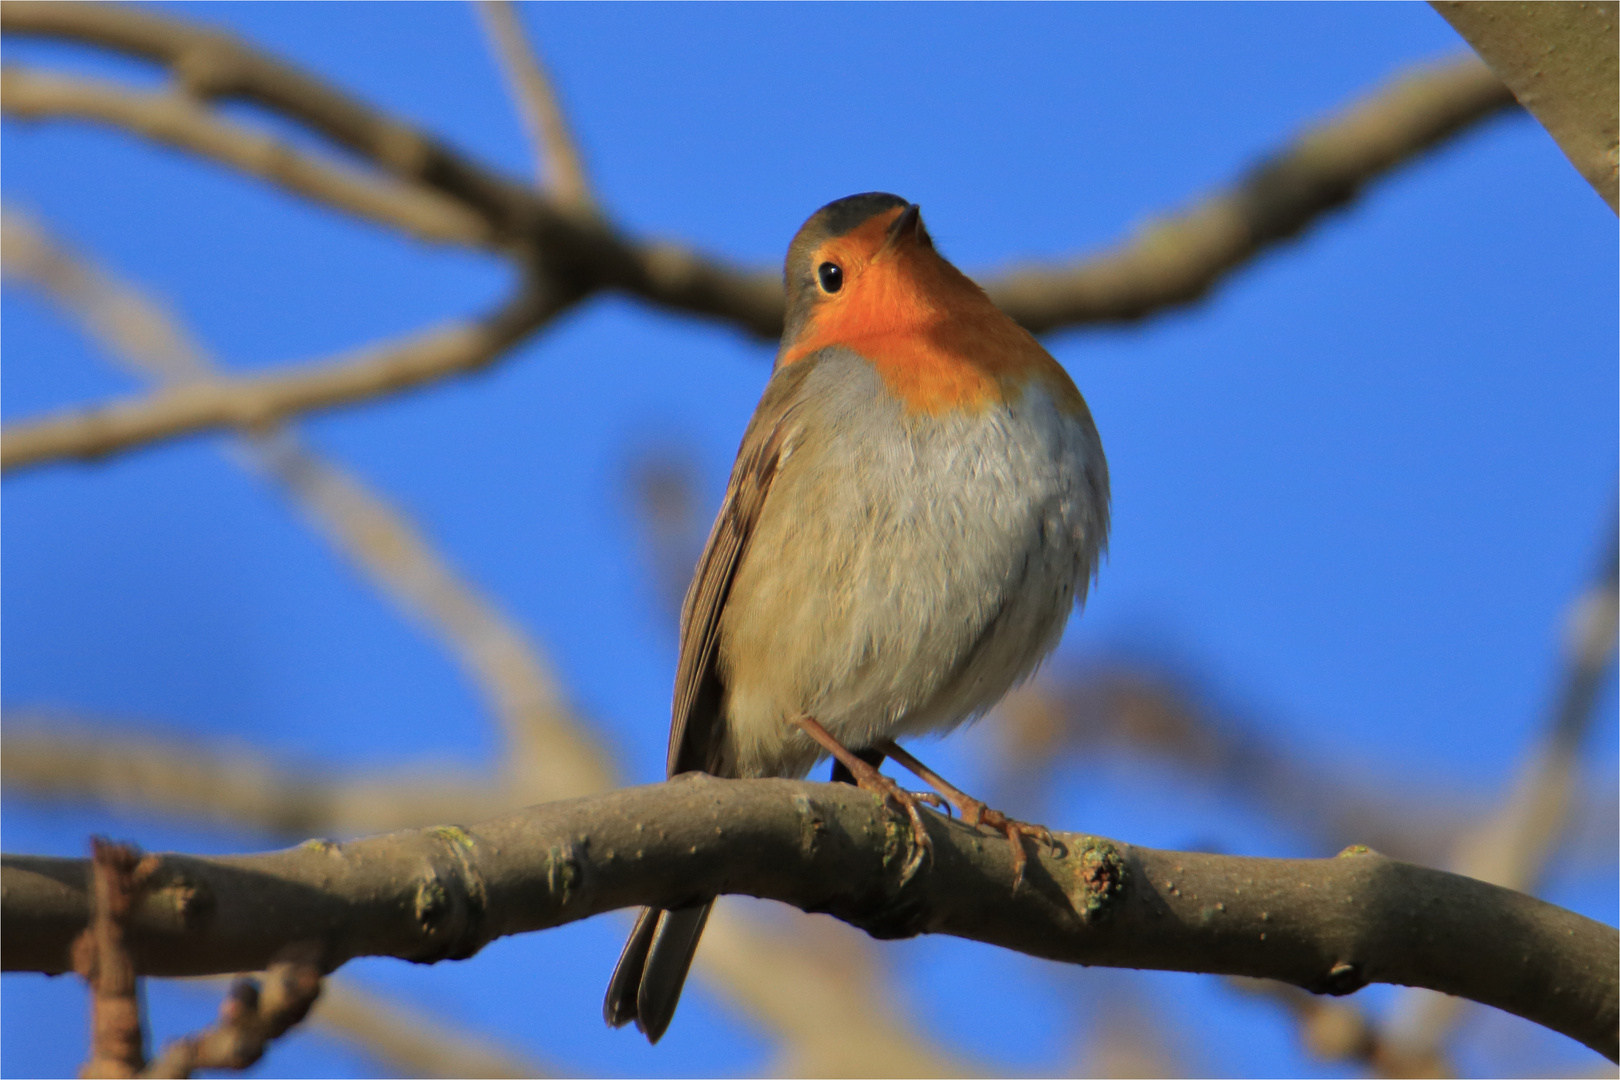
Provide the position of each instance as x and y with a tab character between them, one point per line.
210	64
550	756
1513	846
1177	259
1330	925
179	121
116	881
585	252
1336	1031
259	401
559	166
1562	63
777	973
255	1013
47	759
1170	264
1074	713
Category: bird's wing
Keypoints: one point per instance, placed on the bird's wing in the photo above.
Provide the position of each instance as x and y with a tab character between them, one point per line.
695	723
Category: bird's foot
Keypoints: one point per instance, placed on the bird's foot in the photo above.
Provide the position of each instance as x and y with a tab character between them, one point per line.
868	778
890	791
974	812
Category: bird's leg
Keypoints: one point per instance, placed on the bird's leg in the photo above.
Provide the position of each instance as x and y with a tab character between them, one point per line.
841	775
972	810
868	778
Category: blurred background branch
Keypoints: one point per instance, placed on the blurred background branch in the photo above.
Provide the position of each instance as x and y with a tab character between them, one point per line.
413	1042
1175	261
183	123
134	330
1178	258
1514	846
559	166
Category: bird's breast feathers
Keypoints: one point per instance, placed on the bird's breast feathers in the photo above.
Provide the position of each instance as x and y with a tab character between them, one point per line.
909	565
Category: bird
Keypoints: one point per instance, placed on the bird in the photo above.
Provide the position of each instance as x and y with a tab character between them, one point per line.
918	504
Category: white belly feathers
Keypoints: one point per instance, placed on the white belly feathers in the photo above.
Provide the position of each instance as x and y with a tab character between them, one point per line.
941	555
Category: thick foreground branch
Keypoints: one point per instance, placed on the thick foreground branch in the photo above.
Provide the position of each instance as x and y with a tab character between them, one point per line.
1329	925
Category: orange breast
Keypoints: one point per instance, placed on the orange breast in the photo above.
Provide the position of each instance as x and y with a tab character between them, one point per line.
935	338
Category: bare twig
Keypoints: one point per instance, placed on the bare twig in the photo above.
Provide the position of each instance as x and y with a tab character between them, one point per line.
179	121
134	328
210	64
551	757
254	1014
1177	259
47	758
578	253
1168	265
1331	925
101	955
263	400
1513	849
833	988
1172	264
559	166
1562	62
1077	712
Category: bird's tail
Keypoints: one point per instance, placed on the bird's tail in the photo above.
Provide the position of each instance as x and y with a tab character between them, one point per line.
652	969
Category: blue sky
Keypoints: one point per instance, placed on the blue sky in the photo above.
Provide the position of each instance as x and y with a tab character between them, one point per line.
1354	490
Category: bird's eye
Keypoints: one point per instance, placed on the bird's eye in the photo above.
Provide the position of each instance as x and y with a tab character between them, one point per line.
831	276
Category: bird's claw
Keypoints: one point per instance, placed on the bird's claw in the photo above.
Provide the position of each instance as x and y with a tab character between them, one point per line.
922	844
977	813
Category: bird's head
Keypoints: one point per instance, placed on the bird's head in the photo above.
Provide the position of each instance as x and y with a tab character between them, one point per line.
866	265
863	274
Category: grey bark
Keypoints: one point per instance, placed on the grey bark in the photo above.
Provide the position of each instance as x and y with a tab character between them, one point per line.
1329	925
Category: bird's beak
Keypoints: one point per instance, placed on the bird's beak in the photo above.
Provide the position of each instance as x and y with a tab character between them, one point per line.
906	228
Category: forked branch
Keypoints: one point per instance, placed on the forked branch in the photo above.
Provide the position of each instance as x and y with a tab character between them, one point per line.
422	186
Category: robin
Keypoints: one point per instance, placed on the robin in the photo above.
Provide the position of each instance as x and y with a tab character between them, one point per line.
919	501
